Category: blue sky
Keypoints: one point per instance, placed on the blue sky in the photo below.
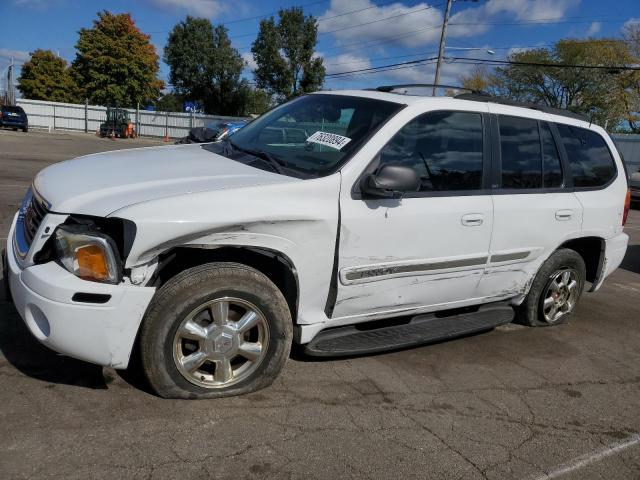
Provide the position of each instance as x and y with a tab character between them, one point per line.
379	33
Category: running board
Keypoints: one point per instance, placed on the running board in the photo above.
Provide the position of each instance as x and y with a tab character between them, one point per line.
365	339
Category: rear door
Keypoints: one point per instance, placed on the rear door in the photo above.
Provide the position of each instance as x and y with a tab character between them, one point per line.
535	209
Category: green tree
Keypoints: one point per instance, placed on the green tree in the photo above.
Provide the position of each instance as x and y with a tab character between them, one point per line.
204	66
599	93
46	77
284	52
170	102
630	81
115	62
253	101
477	79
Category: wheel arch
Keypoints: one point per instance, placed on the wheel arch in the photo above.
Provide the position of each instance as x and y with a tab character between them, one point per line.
275	265
592	251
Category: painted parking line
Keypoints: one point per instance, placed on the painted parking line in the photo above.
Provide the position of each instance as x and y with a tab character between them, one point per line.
588	459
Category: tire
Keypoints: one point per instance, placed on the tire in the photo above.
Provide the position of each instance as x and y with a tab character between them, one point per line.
25	129
563	266
174	337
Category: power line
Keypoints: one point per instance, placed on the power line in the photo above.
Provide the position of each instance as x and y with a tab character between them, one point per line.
544	21
324	19
255	17
382	70
408	34
381	19
489	61
371	69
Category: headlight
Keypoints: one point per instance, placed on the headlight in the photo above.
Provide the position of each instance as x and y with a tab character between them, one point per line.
88	255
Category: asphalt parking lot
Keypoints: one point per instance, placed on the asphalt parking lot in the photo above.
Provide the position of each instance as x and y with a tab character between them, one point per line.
515	402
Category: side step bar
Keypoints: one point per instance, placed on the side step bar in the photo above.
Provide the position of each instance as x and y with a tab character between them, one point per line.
364	339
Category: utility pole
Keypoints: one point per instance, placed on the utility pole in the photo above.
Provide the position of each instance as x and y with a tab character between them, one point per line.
12	98
441	51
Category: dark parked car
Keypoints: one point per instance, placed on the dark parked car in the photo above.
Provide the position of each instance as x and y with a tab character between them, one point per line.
13	117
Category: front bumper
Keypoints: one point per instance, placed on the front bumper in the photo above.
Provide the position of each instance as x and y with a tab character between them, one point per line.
101	333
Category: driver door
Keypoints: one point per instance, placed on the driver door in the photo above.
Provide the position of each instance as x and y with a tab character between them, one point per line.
429	249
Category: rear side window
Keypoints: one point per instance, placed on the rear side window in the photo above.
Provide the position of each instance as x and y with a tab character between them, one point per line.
551	164
520	153
12	109
589	157
444	148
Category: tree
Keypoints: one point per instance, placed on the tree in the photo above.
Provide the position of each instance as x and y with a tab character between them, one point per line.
599	93
284	53
204	66
170	102
631	80
46	77
253	101
478	79
115	62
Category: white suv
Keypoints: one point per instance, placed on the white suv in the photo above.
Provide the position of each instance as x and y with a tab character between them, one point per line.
347	222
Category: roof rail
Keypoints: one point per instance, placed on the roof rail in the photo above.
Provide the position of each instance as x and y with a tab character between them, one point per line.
391	88
483	97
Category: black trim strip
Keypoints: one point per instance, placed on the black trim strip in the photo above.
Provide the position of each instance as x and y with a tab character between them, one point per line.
82	297
505	257
333	284
383	271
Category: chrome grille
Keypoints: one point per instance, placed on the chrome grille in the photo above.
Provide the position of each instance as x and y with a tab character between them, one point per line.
34	212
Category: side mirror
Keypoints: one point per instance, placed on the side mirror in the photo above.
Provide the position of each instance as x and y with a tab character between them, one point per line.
391	181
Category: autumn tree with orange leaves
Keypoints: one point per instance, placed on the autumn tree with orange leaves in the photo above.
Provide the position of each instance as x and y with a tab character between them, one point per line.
115	63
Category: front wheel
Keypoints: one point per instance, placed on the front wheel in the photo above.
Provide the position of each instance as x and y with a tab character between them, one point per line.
216	330
555	291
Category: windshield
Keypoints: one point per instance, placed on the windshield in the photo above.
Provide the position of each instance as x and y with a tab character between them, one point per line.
314	135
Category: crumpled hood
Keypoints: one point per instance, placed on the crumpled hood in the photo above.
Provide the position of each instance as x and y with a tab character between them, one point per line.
102	183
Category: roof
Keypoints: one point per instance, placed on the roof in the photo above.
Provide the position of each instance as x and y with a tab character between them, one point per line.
505	107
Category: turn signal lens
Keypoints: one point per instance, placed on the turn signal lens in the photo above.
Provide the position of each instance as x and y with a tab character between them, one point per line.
627	206
92	263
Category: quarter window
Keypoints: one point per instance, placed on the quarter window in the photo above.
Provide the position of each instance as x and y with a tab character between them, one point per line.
520	151
590	160
444	148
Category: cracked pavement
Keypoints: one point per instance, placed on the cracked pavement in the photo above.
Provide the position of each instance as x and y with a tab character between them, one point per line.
515	402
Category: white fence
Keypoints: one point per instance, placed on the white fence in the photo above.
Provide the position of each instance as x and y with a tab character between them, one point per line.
87	118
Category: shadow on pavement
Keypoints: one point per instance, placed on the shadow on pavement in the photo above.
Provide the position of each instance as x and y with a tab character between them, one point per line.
631	261
22	351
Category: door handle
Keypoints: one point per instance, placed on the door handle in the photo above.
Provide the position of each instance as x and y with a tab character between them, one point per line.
564	215
472	219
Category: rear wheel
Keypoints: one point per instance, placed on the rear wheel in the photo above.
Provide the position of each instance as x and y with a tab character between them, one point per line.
215	330
555	291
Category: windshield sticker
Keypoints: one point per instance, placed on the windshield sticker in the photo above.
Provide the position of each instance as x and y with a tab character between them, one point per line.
332	140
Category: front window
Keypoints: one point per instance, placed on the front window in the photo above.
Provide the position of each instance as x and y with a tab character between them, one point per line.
314	135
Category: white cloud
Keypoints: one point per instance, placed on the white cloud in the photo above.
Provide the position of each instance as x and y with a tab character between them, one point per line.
631	21
34	4
18	55
423	26
251	63
201	8
345	63
594	28
426	20
472	21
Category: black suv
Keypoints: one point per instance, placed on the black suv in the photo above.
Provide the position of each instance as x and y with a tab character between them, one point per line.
13	117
